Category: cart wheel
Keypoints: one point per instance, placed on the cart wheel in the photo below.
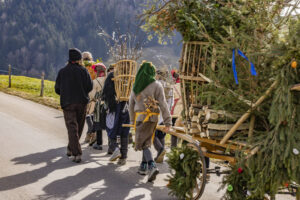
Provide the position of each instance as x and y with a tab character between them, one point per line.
201	178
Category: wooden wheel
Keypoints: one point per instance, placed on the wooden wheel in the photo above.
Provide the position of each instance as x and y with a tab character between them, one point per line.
201	178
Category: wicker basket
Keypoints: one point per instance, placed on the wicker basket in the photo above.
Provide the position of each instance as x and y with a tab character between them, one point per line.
124	77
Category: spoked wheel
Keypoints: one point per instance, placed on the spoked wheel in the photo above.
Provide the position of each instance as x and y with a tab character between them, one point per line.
201	177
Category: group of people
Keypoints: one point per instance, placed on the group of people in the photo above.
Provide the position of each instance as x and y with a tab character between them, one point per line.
87	93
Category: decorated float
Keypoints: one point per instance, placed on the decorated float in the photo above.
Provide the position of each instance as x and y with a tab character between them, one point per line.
240	89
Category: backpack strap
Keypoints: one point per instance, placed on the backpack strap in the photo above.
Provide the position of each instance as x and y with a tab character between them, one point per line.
98	93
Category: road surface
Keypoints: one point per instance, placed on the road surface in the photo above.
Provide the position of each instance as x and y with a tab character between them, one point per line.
34	166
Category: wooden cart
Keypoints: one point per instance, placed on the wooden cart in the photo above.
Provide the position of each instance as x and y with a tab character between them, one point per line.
209	139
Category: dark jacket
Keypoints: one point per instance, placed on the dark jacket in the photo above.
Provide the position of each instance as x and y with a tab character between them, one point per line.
109	93
73	84
121	117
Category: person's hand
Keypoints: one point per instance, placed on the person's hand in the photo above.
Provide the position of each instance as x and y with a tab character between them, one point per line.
166	129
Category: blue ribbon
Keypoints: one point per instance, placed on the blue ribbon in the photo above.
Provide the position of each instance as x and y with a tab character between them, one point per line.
252	68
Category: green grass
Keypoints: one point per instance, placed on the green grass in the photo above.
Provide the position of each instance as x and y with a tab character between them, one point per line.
29	88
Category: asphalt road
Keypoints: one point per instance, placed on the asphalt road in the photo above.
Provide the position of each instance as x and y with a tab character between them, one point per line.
33	165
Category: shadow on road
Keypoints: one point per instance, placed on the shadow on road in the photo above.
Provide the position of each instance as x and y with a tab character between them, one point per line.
112	185
103	182
53	159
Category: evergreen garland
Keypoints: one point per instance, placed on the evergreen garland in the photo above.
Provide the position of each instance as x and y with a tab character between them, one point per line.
185	167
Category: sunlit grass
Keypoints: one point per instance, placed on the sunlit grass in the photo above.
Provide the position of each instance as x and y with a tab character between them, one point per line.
29	88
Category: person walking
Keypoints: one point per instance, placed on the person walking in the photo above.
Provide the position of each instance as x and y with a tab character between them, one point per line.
117	114
177	106
88	63
159	138
95	97
73	84
146	99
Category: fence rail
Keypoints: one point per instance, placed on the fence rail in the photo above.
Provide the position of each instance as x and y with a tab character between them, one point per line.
10	73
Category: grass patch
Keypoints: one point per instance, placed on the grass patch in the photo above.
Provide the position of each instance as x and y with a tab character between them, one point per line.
29	88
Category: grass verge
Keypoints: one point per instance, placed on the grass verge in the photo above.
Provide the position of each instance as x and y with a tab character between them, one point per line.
29	88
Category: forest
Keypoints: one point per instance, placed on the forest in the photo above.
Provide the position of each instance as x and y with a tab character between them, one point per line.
35	35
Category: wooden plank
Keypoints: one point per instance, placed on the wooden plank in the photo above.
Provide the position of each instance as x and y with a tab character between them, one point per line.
251	127
225	113
238	143
182	84
216	143
177	128
194	57
181	61
213	148
192	78
230	159
296	87
188	60
194	131
221	127
194	118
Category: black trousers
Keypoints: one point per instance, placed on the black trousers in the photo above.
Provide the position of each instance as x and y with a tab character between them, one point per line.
99	137
123	146
74	116
174	139
89	122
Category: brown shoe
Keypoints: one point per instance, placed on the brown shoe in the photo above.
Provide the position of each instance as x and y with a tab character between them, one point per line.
93	139
87	138
69	153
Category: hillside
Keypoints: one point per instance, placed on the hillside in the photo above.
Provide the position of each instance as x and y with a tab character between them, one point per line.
35	34
29	88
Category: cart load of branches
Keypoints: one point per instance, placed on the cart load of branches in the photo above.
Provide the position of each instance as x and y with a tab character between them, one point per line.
238	64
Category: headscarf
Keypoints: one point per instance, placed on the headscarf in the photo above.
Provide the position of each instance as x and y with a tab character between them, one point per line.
175	76
102	69
109	93
144	77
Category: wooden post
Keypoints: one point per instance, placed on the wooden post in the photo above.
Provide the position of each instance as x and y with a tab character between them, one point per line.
42	84
9	76
251	128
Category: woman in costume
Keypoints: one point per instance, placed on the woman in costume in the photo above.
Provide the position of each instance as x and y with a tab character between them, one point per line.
146	100
95	96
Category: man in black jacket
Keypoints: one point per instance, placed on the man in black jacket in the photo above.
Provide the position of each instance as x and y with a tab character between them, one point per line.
73	83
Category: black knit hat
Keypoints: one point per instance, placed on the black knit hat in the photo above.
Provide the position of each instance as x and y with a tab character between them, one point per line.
74	54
